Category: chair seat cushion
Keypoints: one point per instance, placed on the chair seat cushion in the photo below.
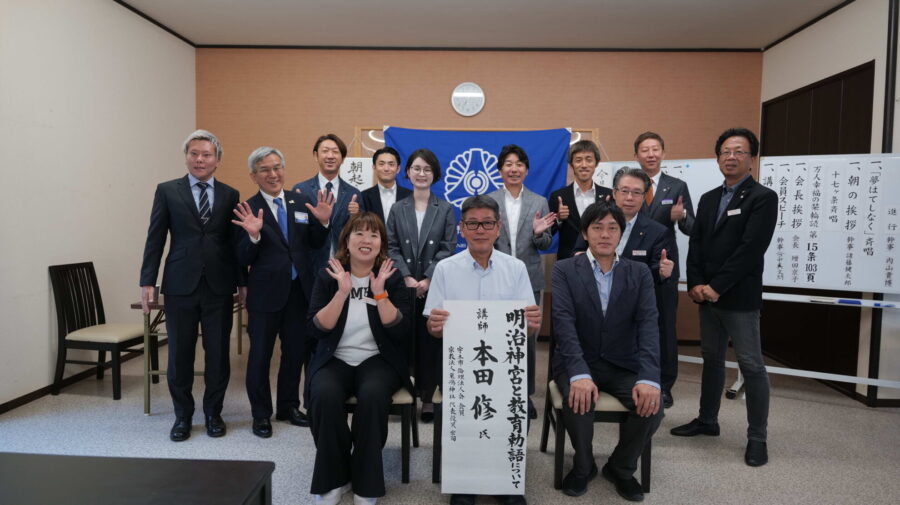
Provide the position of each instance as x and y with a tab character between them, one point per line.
401	397
110	333
605	401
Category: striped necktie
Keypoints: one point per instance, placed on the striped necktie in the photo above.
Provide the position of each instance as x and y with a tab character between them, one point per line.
204	203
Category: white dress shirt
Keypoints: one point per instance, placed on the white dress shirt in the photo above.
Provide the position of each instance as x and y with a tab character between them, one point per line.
584	198
625	234
388	198
513	207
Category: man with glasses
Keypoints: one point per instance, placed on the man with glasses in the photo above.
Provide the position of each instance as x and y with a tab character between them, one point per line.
734	226
667	201
479	273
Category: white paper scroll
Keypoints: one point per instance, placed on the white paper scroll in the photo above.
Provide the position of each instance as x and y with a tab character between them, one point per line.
485	391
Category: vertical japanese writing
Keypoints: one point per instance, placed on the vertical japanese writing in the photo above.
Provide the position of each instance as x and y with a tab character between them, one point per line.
516	338
355	173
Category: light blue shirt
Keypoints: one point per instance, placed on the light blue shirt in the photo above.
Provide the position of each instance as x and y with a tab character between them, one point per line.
195	190
604	287
460	277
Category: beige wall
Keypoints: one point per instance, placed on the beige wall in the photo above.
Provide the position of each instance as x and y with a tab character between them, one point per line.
94	104
286	98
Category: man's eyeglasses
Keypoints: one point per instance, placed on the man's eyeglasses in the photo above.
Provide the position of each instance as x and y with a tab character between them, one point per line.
728	154
628	192
473	225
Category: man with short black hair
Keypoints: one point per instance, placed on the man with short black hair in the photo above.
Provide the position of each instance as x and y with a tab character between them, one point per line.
386	192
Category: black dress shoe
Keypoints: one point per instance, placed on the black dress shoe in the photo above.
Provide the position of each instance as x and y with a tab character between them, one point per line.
181	430
696	427
577	486
667	399
215	426
427	417
757	454
293	416
511	499
262	428
462	499
532	412
627	488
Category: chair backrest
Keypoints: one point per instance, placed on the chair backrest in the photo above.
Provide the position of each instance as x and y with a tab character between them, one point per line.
77	297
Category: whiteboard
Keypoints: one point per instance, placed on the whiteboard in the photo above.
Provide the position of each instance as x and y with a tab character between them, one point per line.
838	220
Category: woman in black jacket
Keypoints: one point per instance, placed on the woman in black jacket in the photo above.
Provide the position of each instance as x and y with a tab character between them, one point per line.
356	310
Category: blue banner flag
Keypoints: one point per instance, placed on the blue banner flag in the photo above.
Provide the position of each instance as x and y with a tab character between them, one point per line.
469	160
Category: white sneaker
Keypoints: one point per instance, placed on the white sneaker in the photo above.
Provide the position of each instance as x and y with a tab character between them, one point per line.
332	497
359	500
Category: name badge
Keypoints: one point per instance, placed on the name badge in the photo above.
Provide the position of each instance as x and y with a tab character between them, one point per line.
301	217
667	201
733	212
637	252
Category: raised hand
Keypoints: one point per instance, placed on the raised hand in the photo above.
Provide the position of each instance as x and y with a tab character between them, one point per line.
353	206
542	224
337	272
563	212
324	206
376	283
665	265
246	220
677	212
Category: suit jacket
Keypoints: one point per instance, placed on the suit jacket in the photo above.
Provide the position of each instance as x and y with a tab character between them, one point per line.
527	245
666	194
626	334
570	229
393	341
270	259
195	250
339	215
728	255
646	243
371	199
416	253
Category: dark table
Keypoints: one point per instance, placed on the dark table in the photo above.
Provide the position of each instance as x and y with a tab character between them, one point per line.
43	479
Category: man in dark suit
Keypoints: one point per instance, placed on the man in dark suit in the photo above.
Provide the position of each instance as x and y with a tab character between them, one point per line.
605	324
569	203
380	197
198	281
329	152
667	202
734	226
281	235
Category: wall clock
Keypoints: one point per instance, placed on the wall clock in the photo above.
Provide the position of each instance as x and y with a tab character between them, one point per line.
467	99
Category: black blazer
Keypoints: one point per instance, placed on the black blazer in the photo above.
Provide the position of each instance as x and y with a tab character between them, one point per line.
728	255
195	250
270	259
570	229
646	243
393	341
371	199
414	253
627	334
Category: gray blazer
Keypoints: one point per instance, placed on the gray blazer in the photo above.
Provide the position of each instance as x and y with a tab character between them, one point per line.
527	245
416	254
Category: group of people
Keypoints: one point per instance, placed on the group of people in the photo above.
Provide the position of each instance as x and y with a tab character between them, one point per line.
353	284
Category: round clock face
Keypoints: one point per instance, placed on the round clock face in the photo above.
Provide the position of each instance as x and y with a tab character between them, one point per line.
467	99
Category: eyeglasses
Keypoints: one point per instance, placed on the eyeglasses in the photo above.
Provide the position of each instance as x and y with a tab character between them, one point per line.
473	225
728	154
420	170
628	192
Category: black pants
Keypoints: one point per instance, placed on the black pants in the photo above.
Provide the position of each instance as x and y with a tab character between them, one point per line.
351	454
429	355
290	324
667	305
213	312
633	433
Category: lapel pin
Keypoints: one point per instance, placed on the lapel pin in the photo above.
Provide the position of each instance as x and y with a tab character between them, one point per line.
290	201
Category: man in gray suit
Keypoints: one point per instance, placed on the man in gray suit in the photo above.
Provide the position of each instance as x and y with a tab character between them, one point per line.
667	202
526	230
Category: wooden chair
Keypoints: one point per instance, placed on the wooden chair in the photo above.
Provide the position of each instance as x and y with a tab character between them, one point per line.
82	325
403	404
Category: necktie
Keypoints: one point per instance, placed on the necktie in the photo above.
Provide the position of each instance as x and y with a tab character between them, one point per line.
648	197
204	203
282	223
329	186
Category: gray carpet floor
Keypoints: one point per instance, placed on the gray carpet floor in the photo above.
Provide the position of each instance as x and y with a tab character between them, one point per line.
824	447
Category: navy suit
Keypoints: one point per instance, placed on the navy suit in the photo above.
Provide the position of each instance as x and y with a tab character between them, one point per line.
199	281
276	304
570	229
616	347
339	215
371	199
646	242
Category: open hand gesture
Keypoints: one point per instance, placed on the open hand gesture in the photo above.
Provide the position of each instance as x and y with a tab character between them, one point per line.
337	272
324	205
542	224
246	220
376	283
